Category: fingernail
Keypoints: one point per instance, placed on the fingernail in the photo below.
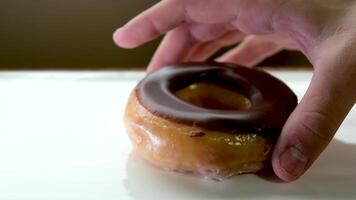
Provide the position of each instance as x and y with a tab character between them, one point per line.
114	35
116	32
293	161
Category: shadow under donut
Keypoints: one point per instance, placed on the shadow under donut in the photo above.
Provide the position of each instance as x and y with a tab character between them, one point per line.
333	175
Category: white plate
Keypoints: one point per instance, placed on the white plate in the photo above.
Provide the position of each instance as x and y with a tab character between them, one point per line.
62	137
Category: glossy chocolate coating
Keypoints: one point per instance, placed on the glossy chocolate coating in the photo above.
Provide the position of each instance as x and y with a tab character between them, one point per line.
272	101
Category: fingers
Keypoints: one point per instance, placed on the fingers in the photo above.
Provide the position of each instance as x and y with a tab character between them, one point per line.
178	43
313	123
205	50
251	51
172	49
196	43
150	24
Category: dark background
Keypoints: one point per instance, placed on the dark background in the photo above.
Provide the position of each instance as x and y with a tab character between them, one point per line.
67	34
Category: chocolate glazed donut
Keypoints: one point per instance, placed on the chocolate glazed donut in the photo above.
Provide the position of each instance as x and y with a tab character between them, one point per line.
270	102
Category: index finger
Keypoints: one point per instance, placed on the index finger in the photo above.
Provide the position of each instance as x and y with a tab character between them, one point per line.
150	24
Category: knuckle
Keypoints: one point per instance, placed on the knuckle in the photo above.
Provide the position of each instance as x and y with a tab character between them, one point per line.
318	125
156	27
193	32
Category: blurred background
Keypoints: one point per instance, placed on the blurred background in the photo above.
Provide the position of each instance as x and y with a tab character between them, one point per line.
64	34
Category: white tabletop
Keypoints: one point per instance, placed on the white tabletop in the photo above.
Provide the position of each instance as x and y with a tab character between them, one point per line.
62	137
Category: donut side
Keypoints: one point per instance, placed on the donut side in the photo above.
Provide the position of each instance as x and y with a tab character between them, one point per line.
191	149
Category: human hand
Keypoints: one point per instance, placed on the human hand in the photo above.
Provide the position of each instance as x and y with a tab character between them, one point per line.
324	30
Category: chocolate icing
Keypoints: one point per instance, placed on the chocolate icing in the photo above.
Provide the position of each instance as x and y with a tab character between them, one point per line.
272	101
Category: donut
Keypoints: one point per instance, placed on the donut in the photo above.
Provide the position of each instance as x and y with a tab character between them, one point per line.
214	120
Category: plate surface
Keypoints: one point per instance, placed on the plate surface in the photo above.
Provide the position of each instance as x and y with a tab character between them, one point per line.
62	137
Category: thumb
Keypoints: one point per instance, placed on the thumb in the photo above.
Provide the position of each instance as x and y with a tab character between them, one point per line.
314	122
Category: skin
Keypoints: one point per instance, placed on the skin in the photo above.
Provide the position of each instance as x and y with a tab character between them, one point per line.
323	30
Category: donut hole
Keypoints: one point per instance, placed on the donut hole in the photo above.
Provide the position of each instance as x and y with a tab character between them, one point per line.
213	96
